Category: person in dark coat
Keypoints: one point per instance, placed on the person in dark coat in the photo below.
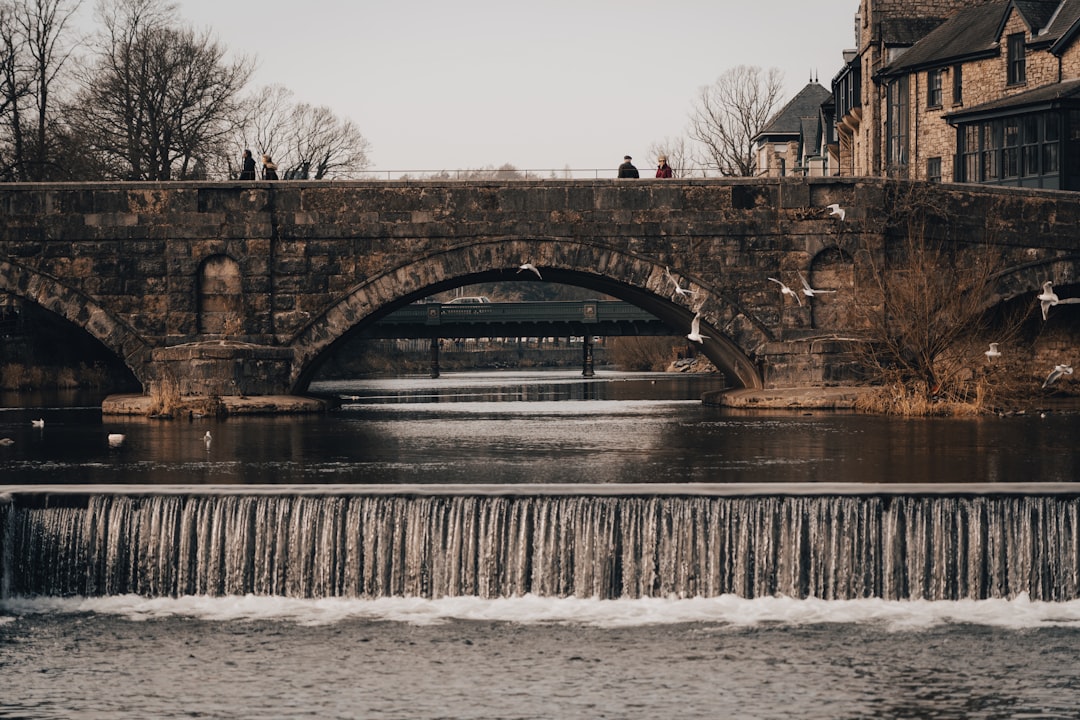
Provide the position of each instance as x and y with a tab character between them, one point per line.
269	169
663	170
247	171
627	169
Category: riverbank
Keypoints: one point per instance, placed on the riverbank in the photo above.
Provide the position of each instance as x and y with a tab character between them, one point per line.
819	398
141	405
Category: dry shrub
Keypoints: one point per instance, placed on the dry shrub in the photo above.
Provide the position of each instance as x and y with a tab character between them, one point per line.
164	396
641	354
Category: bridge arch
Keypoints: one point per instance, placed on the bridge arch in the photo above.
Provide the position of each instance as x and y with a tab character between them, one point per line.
78	309
733	336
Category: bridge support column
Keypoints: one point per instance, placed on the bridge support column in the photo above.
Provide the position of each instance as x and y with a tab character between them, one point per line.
434	357
587	356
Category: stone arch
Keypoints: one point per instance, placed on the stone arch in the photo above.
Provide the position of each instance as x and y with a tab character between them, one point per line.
78	309
831	269
734	336
220	300
1027	278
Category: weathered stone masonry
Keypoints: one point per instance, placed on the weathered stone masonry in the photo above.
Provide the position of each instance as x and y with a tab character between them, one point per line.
241	288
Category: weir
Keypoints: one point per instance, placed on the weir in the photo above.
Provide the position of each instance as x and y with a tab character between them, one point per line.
917	542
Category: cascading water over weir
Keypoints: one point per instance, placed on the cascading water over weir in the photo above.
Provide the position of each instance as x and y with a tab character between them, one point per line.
606	541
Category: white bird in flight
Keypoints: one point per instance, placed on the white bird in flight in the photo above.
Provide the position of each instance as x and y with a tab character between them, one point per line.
835	209
39	423
785	290
1056	373
116	440
993	353
695	329
1048	298
531	268
809	291
679	290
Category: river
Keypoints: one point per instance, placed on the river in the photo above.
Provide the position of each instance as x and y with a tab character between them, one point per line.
534	656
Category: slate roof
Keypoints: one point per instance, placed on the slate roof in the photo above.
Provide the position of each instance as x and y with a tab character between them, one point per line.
1037	13
906	31
807	103
1045	96
1063	25
971	32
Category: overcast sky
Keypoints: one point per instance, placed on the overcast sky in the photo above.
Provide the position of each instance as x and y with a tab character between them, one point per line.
540	84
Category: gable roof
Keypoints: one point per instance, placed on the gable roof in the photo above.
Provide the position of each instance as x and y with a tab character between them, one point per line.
1063	26
1035	13
972	32
807	103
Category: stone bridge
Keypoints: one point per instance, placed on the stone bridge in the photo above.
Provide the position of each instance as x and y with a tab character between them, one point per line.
244	288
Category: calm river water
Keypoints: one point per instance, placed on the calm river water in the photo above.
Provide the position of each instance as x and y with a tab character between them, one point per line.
534	657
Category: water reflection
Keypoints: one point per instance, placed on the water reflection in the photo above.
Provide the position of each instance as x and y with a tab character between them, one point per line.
540	427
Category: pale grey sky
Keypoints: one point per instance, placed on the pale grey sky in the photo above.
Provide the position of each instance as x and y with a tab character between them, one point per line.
540	84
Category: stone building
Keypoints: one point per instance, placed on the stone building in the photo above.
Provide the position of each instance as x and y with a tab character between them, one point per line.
796	139
983	91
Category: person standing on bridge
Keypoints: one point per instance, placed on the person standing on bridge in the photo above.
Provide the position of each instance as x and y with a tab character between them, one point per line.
247	170
627	169
269	169
663	170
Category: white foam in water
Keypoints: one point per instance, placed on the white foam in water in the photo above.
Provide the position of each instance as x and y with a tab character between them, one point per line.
727	610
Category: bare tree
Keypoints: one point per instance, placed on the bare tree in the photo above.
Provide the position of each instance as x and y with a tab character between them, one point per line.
35	44
160	98
729	113
923	302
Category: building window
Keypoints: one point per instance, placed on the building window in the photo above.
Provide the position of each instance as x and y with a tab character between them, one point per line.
897	123
958	84
933	169
933	89
1010	148
1020	150
1029	150
1016	59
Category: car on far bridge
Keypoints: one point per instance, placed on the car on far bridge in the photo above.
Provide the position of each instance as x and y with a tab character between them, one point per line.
469	300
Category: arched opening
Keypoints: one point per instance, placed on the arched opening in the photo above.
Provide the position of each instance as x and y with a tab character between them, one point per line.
221	297
832	270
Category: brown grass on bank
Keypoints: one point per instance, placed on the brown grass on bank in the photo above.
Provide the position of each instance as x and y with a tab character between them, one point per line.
643	353
164	396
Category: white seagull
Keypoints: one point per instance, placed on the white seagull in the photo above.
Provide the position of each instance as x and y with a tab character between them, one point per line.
679	290
531	268
6	441
785	290
809	291
993	353
1057	372
116	440
695	329
39	423
835	209
1048	298
207	439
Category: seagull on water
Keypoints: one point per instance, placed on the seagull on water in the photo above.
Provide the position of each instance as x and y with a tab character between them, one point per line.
993	353
785	290
207	439
809	291
695	329
116	440
39	423
531	268
1048	298
835	209
679	289
1056	373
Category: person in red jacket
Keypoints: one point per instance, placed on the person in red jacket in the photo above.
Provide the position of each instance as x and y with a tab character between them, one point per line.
663	170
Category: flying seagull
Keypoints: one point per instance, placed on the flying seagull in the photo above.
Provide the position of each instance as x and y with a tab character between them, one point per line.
39	423
809	291
531	268
679	290
785	290
1048	298
992	354
116	440
835	209
1057	372
695	329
